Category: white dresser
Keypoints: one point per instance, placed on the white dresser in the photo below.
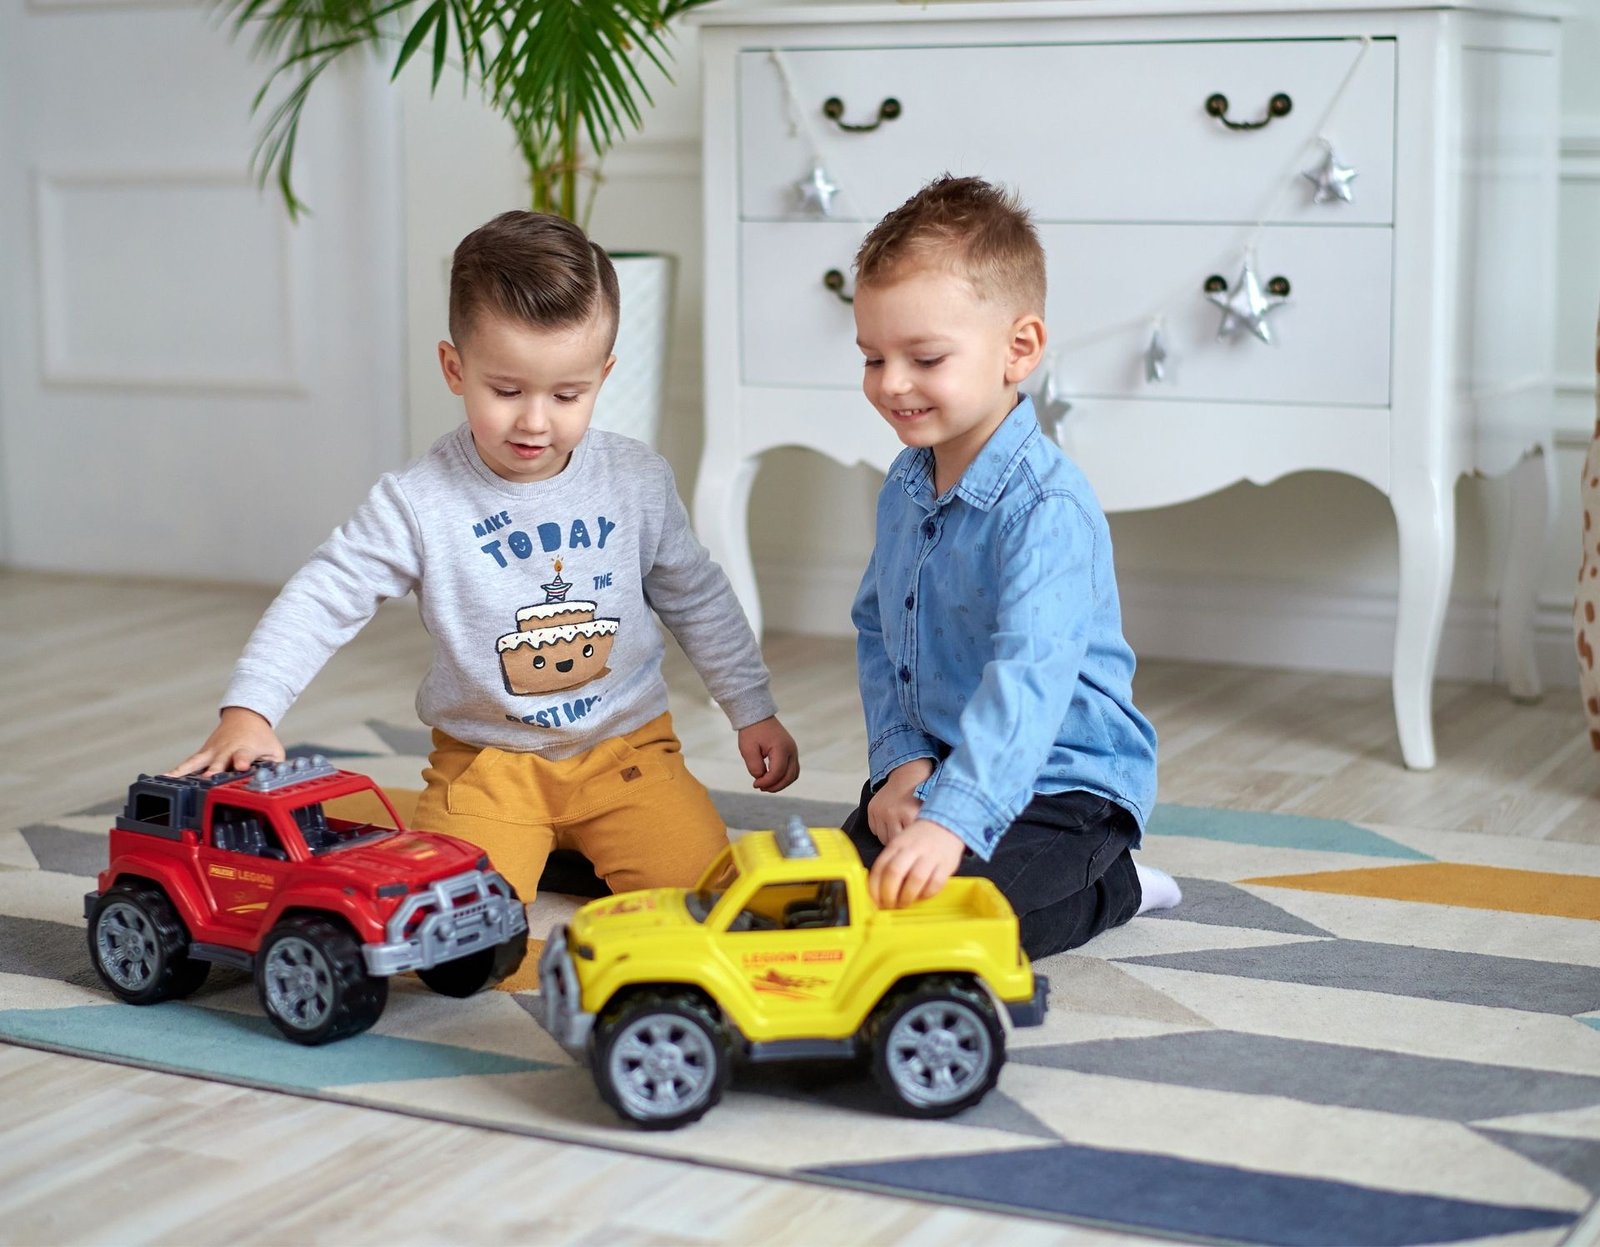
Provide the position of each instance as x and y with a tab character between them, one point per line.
1414	341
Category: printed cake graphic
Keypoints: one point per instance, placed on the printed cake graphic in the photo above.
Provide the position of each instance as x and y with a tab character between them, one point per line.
557	645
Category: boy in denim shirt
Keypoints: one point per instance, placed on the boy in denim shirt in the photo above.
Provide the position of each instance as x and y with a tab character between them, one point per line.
1003	740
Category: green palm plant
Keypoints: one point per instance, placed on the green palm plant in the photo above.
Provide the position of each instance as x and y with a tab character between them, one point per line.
564	73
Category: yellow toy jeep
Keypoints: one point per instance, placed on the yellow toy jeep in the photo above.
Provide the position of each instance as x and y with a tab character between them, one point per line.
780	954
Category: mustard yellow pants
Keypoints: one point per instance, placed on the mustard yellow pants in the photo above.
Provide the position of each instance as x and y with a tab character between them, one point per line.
629	805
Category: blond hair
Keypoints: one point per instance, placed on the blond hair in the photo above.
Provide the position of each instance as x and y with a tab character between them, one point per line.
978	231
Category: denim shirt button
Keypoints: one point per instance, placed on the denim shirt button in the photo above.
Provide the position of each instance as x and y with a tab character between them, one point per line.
905	675
927	529
910	601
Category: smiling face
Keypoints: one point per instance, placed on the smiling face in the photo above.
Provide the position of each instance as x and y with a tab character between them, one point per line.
529	392
942	364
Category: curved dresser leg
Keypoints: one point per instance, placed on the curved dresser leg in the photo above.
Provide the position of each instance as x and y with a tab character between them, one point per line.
722	520
1424	513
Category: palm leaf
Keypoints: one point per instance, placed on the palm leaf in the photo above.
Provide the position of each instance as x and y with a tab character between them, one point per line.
561	72
425	24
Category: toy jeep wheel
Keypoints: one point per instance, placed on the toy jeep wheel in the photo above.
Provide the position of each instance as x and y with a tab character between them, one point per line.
139	946
937	1047
313	983
660	1059
466	976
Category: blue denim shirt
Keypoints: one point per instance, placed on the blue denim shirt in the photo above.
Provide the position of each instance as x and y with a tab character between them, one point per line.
989	638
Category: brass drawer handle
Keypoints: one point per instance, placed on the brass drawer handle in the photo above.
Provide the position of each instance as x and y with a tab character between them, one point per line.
1279	286
833	279
833	110
1280	105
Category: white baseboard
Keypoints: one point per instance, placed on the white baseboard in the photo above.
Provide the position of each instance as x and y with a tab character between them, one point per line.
811	596
1236	621
1280	624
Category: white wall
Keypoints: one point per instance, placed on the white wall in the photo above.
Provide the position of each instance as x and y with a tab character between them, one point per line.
190	385
1313	556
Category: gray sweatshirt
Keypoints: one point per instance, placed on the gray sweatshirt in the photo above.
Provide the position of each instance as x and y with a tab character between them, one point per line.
538	598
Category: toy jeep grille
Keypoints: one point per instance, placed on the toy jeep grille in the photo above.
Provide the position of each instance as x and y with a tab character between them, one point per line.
445	920
458	901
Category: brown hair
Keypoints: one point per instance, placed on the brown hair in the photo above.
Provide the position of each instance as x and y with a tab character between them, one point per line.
978	231
534	268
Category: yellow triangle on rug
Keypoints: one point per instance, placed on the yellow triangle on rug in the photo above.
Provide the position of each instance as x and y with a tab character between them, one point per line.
1455	883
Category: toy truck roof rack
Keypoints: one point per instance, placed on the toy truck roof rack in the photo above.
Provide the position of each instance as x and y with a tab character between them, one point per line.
171	804
266	776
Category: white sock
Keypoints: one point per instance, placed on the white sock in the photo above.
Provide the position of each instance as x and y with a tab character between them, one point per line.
1160	890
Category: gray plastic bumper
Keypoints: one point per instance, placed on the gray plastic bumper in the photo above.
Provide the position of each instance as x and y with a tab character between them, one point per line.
560	997
466	913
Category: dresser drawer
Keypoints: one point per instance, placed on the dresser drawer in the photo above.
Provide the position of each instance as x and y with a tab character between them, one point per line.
1332	340
1086	132
793	330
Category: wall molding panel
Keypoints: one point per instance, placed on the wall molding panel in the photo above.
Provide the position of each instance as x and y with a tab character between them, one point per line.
116	6
218	268
645	158
1580	151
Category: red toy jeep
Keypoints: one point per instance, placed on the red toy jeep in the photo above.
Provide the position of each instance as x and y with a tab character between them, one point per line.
246	869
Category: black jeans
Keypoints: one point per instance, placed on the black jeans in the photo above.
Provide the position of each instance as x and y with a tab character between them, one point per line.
1064	865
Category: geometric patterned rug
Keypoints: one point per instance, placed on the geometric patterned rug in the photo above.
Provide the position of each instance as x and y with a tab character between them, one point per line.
1345	1035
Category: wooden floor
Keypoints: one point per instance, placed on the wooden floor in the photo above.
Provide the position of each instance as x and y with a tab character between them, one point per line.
97	676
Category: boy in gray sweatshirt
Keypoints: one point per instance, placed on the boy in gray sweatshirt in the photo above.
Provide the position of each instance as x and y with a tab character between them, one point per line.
540	551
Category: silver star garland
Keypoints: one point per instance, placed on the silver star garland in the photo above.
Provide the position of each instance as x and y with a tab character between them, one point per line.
816	191
1155	356
1330	179
1246	306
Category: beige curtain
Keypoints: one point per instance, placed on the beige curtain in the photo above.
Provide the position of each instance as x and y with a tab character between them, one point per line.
1586	611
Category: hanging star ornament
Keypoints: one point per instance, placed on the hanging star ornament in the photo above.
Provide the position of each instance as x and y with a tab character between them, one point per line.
1246	306
1330	179
1155	357
816	191
1050	405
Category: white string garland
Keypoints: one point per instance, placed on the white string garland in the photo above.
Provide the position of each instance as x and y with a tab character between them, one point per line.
1287	180
800	127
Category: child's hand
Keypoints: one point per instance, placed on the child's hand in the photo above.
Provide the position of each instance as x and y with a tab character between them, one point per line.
915	864
770	754
241	737
895	806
